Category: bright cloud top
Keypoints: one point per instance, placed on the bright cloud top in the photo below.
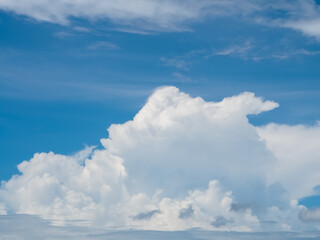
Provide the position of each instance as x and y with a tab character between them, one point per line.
180	163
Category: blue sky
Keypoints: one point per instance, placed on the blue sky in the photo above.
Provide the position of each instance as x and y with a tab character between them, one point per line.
68	73
50	75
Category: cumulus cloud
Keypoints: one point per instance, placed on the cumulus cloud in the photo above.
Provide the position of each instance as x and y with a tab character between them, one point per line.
180	163
297	149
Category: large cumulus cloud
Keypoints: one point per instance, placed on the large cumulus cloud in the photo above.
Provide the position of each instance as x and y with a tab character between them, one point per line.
180	163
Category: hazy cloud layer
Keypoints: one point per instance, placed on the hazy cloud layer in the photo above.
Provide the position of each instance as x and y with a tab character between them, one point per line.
181	163
26	227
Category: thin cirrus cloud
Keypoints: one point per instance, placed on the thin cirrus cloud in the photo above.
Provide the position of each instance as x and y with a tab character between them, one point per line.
181	163
143	16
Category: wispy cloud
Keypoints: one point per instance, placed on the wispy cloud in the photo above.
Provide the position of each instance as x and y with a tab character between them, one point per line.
255	51
176	63
81	29
145	16
241	51
103	45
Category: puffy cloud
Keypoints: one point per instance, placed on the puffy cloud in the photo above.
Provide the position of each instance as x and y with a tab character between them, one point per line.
180	163
162	142
63	188
199	208
297	149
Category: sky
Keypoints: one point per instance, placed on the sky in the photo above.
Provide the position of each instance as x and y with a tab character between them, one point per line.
182	118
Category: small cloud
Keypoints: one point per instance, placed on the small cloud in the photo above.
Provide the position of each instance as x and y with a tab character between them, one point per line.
186	212
146	215
220	222
103	45
240	51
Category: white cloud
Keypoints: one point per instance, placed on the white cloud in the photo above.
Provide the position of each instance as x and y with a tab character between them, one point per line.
59	187
208	205
147	15
143	16
310	27
240	51
180	163
297	149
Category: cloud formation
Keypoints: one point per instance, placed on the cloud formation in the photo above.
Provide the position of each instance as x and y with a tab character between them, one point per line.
143	16
312	215
297	149
26	227
180	163
147	15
